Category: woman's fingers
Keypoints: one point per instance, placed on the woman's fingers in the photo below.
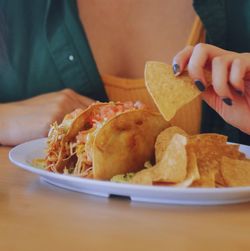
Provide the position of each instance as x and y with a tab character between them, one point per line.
196	59
228	76
181	59
229	94
227	72
220	78
199	60
238	73
236	115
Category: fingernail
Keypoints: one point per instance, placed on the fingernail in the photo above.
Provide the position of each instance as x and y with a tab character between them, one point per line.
239	92
200	85
227	101
176	69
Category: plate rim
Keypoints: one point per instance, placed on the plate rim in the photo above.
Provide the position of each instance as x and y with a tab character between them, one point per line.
146	188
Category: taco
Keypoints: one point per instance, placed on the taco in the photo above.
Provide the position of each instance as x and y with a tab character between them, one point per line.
104	140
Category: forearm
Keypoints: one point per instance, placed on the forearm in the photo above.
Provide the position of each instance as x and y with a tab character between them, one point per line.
29	119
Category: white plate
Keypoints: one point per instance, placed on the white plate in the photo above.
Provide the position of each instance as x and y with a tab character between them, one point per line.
23	154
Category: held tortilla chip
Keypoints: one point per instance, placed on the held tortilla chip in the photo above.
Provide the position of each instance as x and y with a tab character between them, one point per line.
163	140
125	143
235	172
169	92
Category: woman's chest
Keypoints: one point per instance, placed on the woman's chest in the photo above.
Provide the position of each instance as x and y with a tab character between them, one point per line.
125	34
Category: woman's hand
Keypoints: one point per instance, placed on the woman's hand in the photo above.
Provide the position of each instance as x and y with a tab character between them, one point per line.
31	118
229	94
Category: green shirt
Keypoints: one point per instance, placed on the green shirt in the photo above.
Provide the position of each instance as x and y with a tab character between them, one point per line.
47	50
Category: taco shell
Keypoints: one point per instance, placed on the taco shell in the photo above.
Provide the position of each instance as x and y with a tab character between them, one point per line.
125	143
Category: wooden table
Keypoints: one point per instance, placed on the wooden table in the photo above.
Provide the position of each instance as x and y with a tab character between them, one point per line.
37	216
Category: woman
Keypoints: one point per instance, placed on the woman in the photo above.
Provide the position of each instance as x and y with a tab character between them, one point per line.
48	52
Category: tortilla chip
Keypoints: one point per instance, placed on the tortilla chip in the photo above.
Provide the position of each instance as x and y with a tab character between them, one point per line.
209	151
173	165
169	92
192	171
163	140
235	172
207	180
172	168
231	151
125	143
208	137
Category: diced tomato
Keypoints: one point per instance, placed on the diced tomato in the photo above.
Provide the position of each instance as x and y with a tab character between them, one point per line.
110	110
107	111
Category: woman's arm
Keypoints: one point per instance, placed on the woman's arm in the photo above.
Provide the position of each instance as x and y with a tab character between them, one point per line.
31	118
229	94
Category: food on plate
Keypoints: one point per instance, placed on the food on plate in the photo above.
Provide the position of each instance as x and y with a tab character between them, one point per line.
164	138
104	140
171	168
198	161
169	92
127	143
235	172
209	149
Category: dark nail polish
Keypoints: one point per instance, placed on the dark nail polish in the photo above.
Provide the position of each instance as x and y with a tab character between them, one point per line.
176	69
200	85
239	92
227	101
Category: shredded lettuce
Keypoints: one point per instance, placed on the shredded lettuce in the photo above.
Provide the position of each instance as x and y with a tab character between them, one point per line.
123	178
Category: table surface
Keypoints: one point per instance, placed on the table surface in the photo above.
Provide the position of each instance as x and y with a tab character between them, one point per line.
37	216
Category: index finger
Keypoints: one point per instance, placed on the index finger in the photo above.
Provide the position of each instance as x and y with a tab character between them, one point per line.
181	59
201	56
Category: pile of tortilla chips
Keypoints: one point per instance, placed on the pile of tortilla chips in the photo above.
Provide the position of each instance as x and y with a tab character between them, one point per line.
203	160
